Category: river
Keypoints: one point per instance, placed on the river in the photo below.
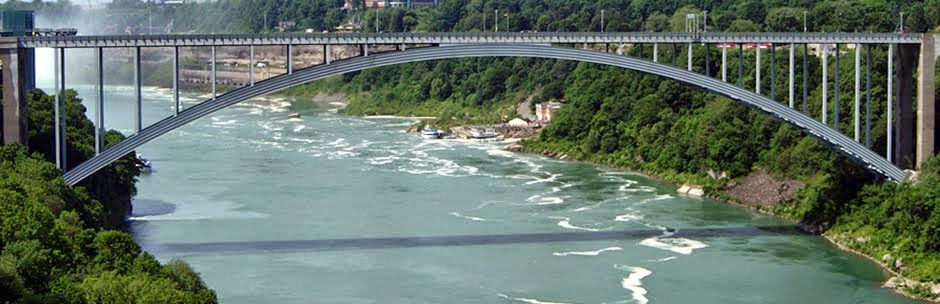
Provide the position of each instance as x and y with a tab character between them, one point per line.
329	208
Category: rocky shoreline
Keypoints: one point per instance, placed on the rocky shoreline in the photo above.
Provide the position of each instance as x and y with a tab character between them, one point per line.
764	202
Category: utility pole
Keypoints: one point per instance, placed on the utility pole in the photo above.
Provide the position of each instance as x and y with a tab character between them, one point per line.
496	18
602	21
376	20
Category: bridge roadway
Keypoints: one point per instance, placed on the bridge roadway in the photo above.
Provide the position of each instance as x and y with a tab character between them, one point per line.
444	38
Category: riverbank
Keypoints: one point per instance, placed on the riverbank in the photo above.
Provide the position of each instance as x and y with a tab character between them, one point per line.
749	193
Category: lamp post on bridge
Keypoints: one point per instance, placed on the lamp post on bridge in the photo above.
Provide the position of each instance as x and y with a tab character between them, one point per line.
804	21
602	21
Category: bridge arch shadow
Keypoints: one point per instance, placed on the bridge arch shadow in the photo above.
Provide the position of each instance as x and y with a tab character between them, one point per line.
836	140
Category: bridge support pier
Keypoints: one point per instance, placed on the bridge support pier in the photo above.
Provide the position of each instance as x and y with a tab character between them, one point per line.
724	63
13	61
58	109
757	71
889	151
805	80
868	95
858	92
214	73
740	65
825	84
656	52
790	86
689	60
176	80
904	136
926	99
138	117
251	65
290	59
99	109
708	63
835	99
327	50
773	71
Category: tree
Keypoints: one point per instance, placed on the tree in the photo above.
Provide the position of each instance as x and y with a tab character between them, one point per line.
784	19
741	25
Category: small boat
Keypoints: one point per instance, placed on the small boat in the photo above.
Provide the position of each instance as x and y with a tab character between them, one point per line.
294	115
143	164
431	133
485	134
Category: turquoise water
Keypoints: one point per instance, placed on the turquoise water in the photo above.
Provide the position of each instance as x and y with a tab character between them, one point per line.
336	209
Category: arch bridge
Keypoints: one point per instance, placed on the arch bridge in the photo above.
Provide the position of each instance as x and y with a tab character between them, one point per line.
398	48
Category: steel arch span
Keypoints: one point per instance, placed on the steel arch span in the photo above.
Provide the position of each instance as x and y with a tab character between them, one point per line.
841	143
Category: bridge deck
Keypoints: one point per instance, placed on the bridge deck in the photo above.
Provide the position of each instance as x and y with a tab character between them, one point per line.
459	38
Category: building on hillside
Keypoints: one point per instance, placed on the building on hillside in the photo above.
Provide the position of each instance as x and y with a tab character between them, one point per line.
400	3
376	4
817	48
545	111
414	3
353	25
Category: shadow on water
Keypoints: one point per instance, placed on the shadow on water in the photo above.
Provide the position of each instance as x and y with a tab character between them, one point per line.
461	240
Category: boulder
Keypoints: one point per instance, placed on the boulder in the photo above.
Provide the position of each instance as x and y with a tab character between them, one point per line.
696	191
898	263
684	189
887	258
893	282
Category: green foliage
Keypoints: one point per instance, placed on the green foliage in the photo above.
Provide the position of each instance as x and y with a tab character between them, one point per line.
55	246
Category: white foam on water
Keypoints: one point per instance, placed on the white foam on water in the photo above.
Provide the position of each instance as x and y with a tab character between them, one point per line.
640	189
224	122
627	184
587	253
382	160
294	119
633	282
299	128
500	152
539	200
565	222
550	178
678	245
483	204
628	217
669	258
530	301
656	198
472	218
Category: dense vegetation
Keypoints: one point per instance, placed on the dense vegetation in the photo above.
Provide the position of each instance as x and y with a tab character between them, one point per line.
56	242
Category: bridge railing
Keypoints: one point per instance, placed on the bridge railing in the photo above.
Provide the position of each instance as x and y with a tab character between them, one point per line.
559	37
